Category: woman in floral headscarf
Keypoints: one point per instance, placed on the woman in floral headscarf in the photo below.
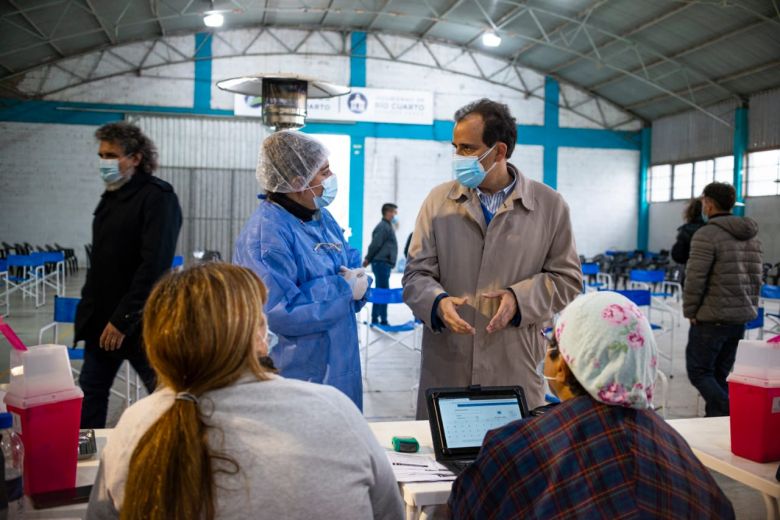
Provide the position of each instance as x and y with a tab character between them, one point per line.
603	452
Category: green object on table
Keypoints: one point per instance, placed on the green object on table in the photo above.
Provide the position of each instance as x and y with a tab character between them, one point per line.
406	444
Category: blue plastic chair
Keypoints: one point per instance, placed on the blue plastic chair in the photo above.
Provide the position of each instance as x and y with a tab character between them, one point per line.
64	312
653	280
769	298
27	276
6	301
643	299
603	280
398	334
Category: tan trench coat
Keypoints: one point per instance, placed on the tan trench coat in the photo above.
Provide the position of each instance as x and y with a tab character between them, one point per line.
527	248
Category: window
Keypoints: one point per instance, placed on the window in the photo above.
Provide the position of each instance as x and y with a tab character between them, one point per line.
724	169
703	174
660	183
683	180
763	173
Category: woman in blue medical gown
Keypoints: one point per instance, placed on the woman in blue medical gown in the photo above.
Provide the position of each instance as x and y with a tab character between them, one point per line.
315	280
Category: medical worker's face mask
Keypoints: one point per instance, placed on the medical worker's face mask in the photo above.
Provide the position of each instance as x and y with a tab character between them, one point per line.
330	188
468	169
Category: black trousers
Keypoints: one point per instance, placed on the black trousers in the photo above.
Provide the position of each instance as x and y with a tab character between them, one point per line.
98	373
709	357
382	274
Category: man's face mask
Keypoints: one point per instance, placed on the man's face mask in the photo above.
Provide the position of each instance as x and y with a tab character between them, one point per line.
468	169
109	170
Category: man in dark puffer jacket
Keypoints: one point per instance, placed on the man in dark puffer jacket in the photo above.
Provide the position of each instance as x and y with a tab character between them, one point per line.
723	279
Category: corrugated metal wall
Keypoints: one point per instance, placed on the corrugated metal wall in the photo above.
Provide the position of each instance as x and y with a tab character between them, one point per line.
211	165
764	120
693	135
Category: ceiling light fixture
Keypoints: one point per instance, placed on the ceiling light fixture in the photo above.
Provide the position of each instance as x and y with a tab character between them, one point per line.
213	20
491	39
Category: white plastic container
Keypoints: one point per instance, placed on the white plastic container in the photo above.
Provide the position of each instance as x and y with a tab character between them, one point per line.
46	408
40	370
758	360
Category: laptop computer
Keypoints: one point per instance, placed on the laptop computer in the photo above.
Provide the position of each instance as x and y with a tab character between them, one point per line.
460	417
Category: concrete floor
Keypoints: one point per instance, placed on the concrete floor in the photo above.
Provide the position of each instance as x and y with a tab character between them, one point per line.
389	388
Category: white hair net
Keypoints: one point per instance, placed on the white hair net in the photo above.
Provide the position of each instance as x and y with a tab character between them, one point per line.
288	161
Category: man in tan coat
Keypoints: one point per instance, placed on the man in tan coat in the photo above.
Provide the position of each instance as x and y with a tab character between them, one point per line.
492	259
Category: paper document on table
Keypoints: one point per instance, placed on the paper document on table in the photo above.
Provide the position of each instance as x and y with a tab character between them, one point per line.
418	468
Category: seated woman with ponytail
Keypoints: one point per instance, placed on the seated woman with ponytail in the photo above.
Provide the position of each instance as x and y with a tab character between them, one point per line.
223	436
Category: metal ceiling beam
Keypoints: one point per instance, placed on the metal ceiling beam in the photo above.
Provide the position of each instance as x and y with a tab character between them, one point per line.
696	88
154	6
518	85
379	13
638	28
557	29
555	43
684	52
41	34
441	18
326	13
91	9
501	22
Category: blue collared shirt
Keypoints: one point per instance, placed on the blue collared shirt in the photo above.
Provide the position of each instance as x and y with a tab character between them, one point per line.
491	202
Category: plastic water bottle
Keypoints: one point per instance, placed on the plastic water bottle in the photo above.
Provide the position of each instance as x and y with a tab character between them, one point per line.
13	458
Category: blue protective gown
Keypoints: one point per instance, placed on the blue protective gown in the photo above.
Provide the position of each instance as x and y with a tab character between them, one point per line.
310	307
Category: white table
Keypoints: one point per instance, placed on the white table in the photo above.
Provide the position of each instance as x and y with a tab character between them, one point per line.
416	495
710	440
85	476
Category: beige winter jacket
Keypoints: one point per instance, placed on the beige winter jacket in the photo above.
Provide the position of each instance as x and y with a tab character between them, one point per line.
723	273
528	248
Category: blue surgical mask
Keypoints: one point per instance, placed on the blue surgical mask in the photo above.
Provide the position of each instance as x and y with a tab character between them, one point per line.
468	169
109	170
704	217
394	221
272	340
330	187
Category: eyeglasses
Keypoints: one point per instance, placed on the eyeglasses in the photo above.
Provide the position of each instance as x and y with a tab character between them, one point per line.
327	246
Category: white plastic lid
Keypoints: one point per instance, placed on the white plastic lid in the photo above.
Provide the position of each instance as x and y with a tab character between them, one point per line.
754	381
38	400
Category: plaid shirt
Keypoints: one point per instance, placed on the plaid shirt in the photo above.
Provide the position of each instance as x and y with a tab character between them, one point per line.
589	460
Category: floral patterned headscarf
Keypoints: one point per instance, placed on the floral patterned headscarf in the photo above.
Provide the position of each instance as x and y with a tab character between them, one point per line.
609	346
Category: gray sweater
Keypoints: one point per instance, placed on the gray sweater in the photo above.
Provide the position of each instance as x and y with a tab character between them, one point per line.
303	449
723	273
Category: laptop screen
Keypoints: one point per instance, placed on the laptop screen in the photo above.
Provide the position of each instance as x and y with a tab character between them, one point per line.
466	420
460	417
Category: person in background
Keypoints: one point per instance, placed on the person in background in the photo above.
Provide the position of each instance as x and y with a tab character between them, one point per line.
492	259
693	221
382	254
134	234
722	283
315	281
603	452
224	437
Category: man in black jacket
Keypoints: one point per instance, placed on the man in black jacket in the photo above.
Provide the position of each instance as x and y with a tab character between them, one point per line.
382	254
134	234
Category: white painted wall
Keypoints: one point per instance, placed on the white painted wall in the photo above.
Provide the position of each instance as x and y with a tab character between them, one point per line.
402	171
601	189
766	210
665	218
49	184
